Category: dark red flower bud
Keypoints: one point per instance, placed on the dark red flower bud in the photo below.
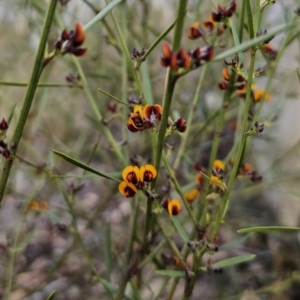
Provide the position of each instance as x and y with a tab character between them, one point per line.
3	125
65	35
112	106
58	45
180	124
223	85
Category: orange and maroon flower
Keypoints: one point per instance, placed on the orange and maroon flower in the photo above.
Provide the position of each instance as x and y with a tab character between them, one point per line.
224	13
201	55
71	41
218	165
127	189
210	25
239	81
173	207
153	112
180	124
218	169
185	60
175	60
144	117
194	31
147	173
131	174
257	95
269	51
136	119
191	195
169	58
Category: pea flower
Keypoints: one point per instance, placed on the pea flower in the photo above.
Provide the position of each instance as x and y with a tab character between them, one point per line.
173	207
70	41
142	118
135	177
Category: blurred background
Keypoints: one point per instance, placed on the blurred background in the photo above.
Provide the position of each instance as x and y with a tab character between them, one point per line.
40	250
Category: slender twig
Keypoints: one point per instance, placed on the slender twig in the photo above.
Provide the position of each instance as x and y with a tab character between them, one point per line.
40	85
33	83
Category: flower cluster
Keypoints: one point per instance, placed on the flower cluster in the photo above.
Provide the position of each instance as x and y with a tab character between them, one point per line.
209	25
247	170
143	117
138	57
135	178
186	60
70	41
239	81
269	51
256	94
217	172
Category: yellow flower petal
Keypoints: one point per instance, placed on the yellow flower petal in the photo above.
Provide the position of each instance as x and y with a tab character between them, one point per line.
191	195
127	189
218	164
131	174
174	207
147	173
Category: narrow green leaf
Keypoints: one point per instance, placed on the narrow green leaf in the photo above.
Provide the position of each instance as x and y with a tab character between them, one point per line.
248	44
170	273
268	228
250	19
113	97
159	39
231	261
82	165
112	288
40	85
180	229
102	14
51	296
135	290
52	217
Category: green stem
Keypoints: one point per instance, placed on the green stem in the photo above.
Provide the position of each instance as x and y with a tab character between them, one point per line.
179	24
126	276
184	138
257	16
167	100
239	153
40	85
33	83
124	87
178	189
170	84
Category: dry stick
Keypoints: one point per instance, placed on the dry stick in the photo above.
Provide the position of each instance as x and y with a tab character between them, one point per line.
33	83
